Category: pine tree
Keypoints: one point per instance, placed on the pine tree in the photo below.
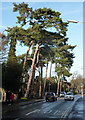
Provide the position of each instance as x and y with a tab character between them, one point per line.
3	47
34	27
63	59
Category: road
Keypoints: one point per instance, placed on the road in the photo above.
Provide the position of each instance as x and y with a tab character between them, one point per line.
78	110
43	109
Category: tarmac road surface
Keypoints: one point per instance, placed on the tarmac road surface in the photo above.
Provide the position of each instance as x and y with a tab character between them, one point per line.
78	110
57	109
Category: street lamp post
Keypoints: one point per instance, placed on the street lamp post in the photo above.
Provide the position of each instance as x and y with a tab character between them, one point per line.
82	89
74	21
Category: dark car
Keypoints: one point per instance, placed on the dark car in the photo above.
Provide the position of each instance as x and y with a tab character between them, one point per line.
50	96
84	93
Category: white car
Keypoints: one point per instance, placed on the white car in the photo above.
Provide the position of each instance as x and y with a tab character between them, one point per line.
62	94
69	96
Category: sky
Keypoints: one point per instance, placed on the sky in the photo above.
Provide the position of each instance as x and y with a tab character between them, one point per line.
68	10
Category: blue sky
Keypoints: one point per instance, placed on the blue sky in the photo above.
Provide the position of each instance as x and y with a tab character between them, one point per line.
68	10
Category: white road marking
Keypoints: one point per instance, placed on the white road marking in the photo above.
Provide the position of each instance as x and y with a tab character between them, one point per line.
52	117
37	110
45	106
16	119
56	112
45	110
64	114
50	111
33	112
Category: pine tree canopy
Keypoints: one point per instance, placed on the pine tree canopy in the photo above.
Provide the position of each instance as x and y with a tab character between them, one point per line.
45	27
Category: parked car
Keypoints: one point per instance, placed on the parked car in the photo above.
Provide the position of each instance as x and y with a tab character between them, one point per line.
69	96
50	96
62	94
84	93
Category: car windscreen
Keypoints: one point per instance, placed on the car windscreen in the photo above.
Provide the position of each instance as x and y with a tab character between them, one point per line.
69	94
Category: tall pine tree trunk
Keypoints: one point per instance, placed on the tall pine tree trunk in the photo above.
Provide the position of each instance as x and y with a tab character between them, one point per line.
50	75
49	84
26	75
50	69
25	59
58	86
32	68
39	81
32	85
45	80
37	88
33	78
63	84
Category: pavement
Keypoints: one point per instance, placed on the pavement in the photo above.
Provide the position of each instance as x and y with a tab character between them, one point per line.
78	110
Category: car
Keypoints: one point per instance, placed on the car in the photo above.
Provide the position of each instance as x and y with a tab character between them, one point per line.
50	96
62	94
84	93
69	96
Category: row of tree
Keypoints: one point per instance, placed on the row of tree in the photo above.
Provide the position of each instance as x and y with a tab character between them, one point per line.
44	32
77	83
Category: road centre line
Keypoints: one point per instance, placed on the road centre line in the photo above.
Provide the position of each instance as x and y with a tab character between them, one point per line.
63	114
46	110
46	106
49	104
56	112
32	112
50	111
42	107
59	102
